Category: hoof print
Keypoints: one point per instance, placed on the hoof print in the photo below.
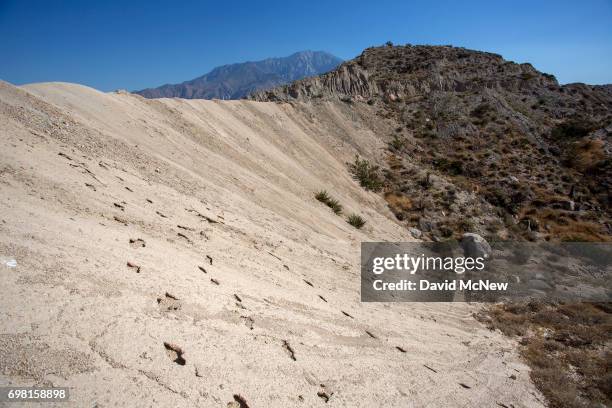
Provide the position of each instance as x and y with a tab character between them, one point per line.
175	353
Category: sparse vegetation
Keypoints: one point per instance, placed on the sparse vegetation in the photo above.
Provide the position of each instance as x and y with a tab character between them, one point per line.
367	174
573	128
335	206
356	221
399	203
398	142
452	167
565	345
322	196
527	159
332	203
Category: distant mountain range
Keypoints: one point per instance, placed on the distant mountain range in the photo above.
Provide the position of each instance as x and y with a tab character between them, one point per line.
236	81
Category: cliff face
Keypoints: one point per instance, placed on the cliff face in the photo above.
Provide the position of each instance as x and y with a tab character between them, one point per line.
235	81
495	137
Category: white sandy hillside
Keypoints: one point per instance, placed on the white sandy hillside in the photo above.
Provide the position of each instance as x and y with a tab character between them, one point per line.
171	253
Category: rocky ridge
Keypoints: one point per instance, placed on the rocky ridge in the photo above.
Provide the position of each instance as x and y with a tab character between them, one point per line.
477	143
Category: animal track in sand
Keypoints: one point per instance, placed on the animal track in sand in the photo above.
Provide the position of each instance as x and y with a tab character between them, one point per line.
120	220
369	333
168	303
289	349
175	353
137	243
324	395
205	217
132	265
248	321
185	237
238	402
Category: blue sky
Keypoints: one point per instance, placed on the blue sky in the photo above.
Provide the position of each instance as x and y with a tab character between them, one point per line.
136	44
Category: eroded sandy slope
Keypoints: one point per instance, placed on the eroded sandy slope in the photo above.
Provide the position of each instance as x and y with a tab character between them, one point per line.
247	285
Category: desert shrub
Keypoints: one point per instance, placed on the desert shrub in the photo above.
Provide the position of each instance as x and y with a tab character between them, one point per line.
481	110
573	128
399	204
367	174
335	206
452	167
564	345
426	182
398	142
332	203
498	197
322	196
466	225
356	221
526	76
585	155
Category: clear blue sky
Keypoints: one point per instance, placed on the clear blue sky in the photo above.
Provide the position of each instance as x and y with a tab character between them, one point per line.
137	44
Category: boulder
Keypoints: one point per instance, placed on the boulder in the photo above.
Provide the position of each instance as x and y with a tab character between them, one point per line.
426	225
475	246
415	232
538	284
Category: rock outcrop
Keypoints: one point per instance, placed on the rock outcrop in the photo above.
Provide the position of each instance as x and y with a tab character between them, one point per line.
478	143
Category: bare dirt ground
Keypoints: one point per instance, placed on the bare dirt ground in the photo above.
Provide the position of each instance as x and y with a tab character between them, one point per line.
171	253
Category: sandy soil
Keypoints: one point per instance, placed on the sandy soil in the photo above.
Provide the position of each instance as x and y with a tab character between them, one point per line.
240	283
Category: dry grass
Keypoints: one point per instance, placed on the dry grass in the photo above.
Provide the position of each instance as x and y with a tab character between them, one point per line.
586	154
566	226
332	203
399	204
367	174
356	221
566	346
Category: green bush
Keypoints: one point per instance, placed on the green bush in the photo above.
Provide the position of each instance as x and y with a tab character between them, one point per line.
335	206
332	203
452	167
356	221
398	142
367	174
322	196
573	128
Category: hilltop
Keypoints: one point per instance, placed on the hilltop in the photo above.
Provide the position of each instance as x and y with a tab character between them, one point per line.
477	143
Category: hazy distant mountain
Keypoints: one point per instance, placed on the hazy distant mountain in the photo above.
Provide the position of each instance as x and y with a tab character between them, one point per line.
235	81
